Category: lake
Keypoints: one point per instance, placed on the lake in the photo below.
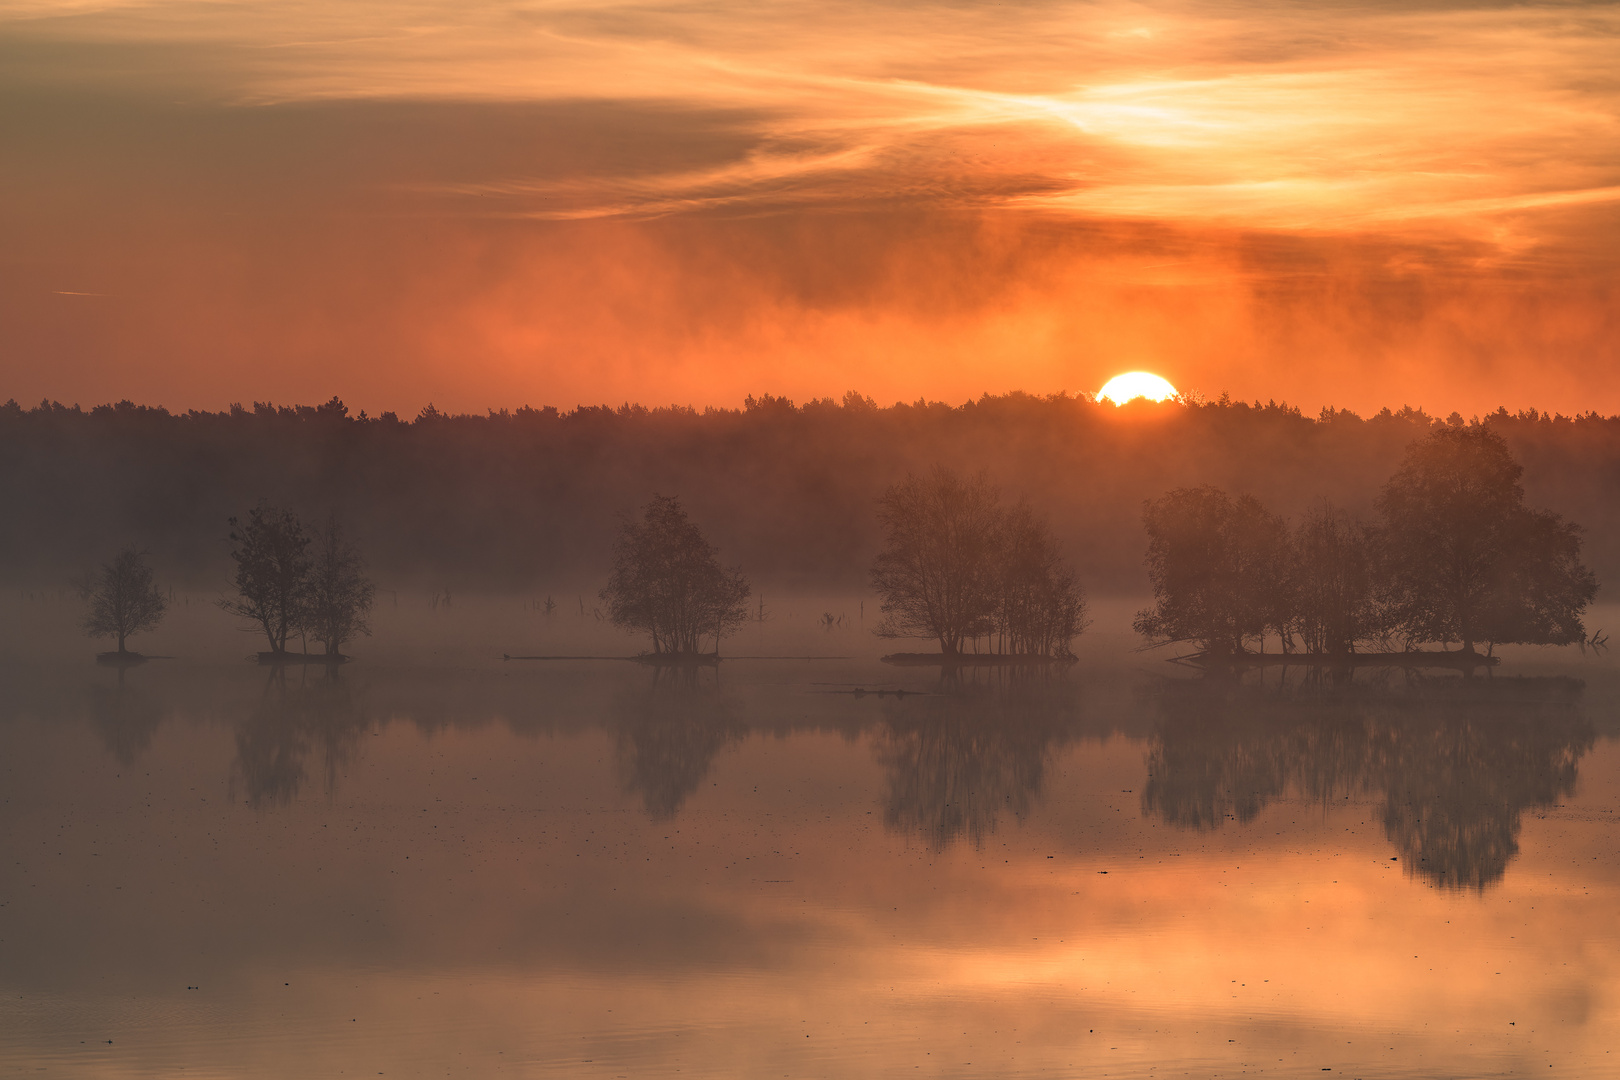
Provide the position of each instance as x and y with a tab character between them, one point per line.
435	862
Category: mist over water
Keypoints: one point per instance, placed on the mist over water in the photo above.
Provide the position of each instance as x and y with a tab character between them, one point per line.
620	550
433	861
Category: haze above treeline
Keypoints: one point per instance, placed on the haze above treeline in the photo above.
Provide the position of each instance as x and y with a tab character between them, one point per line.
530	500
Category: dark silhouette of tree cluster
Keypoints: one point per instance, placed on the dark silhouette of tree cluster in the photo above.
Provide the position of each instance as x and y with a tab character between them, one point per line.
958	567
338	595
1040	607
1466	560
1455	557
123	600
525	499
667	582
1217	565
1332	600
272	569
286	589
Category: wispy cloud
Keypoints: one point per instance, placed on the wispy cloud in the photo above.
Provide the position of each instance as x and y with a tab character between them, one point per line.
1041	185
1264	115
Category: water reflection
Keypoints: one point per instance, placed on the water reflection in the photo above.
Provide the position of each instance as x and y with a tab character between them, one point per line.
295	717
668	733
490	894
1454	762
955	762
1450	765
125	716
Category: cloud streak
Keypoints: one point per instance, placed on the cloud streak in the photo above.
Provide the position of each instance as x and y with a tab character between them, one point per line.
1339	182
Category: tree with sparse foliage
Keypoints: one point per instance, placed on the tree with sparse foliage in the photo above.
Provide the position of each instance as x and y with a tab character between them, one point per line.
1465	560
1217	567
123	600
338	595
272	573
1040	607
958	567
667	582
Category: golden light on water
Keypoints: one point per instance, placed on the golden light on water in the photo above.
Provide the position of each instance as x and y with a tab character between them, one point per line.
1136	384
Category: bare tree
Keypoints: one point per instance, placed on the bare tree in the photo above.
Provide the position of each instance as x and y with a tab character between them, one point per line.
272	572
123	600
338	595
935	571
667	581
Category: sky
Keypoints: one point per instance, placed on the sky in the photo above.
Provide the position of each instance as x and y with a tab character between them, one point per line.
485	205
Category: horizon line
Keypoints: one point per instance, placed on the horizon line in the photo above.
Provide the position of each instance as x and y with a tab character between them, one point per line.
853	401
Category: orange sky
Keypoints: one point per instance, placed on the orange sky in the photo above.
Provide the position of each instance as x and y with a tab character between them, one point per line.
555	202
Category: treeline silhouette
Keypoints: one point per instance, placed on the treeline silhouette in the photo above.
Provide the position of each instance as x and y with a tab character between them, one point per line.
523	499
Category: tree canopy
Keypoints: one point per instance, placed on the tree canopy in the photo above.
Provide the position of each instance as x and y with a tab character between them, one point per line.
667	582
1332	600
338	595
123	600
1217	564
1456	557
272	572
934	572
1465	560
956	566
524	499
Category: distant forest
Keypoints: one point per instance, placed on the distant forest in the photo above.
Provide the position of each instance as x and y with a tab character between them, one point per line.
531	499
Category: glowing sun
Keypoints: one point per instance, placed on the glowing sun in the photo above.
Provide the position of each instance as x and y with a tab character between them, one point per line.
1136	384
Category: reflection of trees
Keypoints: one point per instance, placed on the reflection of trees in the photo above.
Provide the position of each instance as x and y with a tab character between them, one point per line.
668	735
1455	789
126	717
293	719
954	763
1455	761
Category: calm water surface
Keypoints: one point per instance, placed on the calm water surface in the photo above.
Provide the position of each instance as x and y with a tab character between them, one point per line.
436	863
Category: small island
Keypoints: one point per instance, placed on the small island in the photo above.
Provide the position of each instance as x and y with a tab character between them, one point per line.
296	658
1456	557
285	588
970	659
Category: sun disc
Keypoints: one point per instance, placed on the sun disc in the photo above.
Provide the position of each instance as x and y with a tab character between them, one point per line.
1136	384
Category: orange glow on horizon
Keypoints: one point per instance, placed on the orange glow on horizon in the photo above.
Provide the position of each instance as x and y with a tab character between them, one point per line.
578	203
